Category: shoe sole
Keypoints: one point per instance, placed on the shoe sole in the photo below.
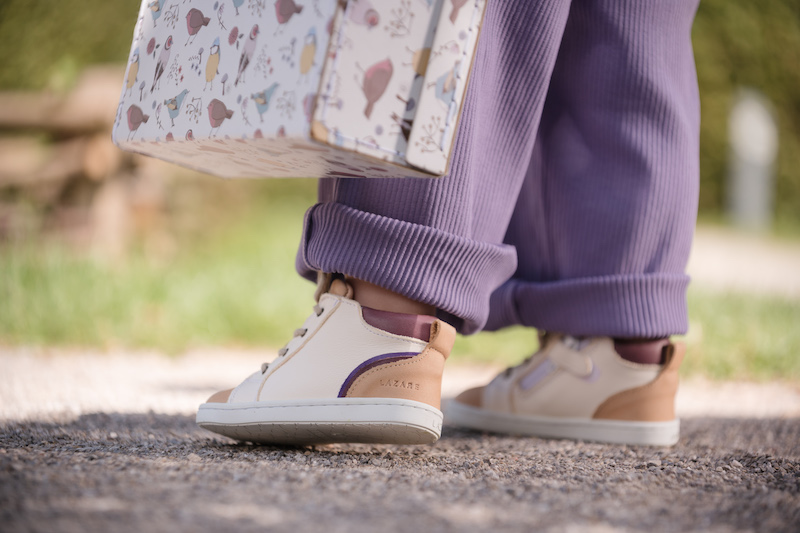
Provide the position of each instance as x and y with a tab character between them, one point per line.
609	431
366	420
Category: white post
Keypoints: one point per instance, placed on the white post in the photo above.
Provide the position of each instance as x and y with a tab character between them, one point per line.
753	137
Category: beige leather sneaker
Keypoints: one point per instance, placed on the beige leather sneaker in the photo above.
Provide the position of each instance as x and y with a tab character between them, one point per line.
350	374
578	389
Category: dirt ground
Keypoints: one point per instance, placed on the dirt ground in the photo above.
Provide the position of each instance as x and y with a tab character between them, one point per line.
107	442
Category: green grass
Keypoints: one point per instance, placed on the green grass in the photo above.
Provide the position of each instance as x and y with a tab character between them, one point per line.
743	336
234	285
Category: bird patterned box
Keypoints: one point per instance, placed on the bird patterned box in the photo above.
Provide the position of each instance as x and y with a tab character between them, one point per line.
299	88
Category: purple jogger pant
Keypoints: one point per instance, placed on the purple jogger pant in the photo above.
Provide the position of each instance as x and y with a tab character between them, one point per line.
572	196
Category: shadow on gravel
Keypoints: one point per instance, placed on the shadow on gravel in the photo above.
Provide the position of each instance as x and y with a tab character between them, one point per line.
155	472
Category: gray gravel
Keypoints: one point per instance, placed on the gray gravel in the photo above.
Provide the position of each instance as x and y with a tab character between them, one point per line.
151	472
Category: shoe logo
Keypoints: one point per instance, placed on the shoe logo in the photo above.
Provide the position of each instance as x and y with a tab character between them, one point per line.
399	384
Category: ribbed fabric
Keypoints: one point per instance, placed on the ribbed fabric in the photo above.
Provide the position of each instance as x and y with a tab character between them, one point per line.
449	274
578	147
609	306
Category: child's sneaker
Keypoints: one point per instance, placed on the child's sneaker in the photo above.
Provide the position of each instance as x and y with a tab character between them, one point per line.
350	374
578	389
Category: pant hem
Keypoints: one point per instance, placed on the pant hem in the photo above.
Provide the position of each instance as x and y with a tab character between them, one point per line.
455	274
645	305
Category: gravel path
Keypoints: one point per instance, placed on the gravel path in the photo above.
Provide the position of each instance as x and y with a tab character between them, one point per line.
80	452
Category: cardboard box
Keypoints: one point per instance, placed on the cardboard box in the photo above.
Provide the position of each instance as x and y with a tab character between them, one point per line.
299	88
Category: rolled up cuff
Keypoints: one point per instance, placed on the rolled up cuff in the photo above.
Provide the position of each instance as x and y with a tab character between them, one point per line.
455	274
644	305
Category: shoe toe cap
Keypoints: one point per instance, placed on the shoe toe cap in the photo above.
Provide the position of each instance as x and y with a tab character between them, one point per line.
471	397
220	397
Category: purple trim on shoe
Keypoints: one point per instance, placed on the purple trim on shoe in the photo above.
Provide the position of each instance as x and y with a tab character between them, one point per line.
372	363
542	370
415	326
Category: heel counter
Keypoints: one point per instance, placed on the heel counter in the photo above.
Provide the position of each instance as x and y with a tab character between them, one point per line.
417	378
654	402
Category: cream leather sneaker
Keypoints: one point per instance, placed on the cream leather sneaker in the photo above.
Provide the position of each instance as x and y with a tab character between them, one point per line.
350	374
578	389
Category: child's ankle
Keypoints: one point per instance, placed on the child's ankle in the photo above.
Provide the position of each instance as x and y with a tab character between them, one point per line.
375	297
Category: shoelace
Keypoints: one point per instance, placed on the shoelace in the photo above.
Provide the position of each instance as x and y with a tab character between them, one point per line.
299	332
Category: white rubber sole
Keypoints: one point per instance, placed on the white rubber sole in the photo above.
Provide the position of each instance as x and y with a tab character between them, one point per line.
323	421
610	431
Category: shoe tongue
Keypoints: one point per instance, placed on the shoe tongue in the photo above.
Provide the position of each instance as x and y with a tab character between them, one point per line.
329	284
339	287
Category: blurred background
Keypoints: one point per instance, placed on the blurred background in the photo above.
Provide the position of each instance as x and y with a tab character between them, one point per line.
105	250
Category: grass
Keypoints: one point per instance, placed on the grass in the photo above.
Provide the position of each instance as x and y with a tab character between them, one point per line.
743	336
234	285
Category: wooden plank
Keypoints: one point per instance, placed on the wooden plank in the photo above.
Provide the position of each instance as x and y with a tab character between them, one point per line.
26	162
91	106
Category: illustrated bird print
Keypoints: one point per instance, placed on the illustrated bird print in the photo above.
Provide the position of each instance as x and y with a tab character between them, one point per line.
309	51
364	13
133	71
212	64
247	54
446	85
237	4
163	59
174	105
262	100
285	9
135	118
194	21
217	113
189	135
376	79
457	5
155	9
